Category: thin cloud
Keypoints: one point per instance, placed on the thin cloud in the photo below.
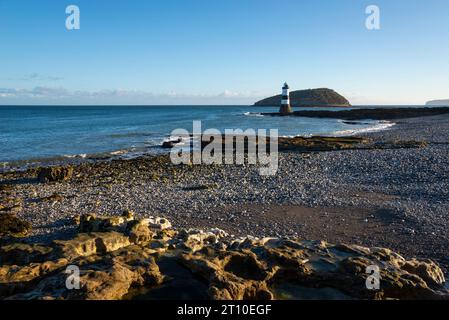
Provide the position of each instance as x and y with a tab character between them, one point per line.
43	94
36	77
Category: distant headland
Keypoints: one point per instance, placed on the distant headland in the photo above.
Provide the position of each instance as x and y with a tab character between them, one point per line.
321	97
443	103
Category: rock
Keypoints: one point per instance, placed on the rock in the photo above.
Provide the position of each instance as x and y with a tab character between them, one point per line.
128	215
11	225
426	270
128	256
157	223
139	232
55	174
102	278
21	253
92	223
195	239
168	144
321	97
253	268
21	278
317	143
373	114
86	244
171	143
232	276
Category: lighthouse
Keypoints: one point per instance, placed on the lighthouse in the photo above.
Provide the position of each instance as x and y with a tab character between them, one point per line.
285	100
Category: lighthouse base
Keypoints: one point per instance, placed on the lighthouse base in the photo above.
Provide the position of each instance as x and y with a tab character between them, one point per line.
285	109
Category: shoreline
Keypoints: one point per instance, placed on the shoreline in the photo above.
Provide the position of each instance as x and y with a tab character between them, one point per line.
369	113
132	153
373	197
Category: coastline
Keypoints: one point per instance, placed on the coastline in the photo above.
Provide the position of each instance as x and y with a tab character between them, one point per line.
380	195
155	150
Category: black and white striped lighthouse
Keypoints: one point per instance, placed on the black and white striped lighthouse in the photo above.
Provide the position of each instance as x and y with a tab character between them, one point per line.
285	100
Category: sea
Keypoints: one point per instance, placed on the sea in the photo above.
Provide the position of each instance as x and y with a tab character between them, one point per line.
35	135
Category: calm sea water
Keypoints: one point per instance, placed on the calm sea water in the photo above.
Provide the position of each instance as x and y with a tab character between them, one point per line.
42	132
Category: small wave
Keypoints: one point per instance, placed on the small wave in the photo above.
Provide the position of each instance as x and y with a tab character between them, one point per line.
380	126
119	152
72	156
253	114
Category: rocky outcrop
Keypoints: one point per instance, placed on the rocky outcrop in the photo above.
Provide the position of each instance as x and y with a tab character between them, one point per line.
317	143
51	174
117	257
321	97
373	114
10	224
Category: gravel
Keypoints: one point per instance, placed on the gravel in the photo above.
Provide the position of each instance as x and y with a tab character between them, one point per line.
412	185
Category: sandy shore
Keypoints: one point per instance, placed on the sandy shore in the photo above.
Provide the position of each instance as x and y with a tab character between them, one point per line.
396	198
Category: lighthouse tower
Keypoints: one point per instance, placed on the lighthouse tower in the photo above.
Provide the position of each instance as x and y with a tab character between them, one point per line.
285	100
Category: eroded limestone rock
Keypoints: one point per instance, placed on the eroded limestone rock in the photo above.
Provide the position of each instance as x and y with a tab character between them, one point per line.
86	244
117	254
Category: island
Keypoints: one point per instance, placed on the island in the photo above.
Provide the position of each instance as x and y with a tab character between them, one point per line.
321	97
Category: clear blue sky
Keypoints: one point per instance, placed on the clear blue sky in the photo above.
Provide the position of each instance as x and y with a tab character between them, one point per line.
221	51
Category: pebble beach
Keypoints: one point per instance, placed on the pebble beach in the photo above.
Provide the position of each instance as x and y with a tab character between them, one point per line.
396	198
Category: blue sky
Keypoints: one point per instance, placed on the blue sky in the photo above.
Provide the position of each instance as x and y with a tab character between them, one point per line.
221	52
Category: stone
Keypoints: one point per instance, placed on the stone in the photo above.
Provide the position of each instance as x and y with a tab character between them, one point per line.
157	223
11	225
51	174
92	223
426	270
125	258
128	215
86	244
139	232
22	253
171	143
19	278
195	239
107	277
232	276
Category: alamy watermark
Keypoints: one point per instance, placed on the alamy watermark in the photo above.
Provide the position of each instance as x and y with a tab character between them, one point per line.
233	146
373	280
73	279
72	22
372	22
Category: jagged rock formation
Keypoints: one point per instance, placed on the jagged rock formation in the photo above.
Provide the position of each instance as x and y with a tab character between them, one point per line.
321	97
123	258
